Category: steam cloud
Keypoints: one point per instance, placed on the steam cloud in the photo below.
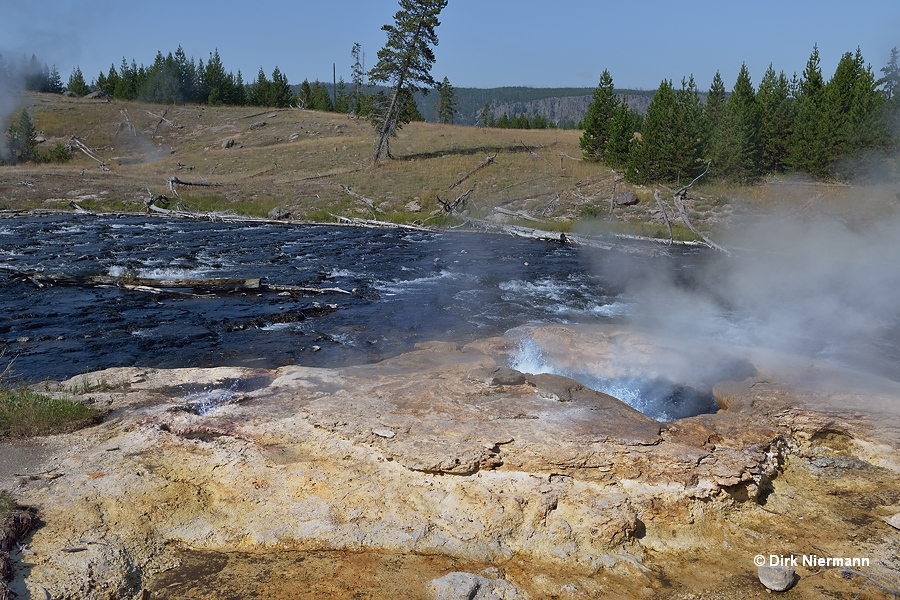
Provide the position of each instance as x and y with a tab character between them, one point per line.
818	287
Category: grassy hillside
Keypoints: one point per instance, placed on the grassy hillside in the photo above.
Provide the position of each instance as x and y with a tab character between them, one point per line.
303	161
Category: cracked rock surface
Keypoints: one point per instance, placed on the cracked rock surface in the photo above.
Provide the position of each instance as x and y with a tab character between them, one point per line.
445	462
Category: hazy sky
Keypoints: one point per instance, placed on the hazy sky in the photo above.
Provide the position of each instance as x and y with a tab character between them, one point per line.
483	43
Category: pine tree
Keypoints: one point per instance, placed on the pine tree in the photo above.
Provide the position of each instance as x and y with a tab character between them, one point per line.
656	160
775	116
240	90
220	87
689	131
77	84
446	102
54	82
622	129
598	119
850	109
342	99
741	131
320	99
259	90
21	139
712	121
807	146
112	81
305	96
890	114
187	76
485	117
126	83
890	83
405	62
279	91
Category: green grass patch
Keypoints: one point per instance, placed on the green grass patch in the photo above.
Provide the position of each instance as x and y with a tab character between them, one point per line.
26	413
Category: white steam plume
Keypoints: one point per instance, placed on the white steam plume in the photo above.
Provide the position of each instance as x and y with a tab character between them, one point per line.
814	286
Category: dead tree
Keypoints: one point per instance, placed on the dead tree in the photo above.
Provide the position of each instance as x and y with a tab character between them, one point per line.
459	203
162	118
174	180
480	166
367	201
665	214
87	151
127	124
679	196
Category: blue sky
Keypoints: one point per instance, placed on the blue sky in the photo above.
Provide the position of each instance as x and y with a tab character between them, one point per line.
483	43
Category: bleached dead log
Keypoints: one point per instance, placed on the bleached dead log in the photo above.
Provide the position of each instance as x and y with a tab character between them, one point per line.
154	285
679	195
481	165
79	145
305	290
367	201
665	213
536	155
376	224
162	118
127	124
549	208
517	214
78	209
460	202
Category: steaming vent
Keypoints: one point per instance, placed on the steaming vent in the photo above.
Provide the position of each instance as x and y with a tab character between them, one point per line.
230	391
659	397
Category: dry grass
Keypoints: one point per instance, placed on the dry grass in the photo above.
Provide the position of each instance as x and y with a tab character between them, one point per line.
300	160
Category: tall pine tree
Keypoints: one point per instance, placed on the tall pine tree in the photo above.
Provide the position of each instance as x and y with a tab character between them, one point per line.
622	129
654	155
447	102
598	120
741	153
807	146
689	131
775	117
405	63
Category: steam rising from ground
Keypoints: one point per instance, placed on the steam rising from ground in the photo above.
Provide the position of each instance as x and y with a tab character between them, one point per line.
10	91
817	286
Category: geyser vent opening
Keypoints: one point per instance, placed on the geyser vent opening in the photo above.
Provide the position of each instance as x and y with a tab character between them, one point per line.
656	397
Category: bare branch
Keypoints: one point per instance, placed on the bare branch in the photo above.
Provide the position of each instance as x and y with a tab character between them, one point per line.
480	166
460	201
88	152
665	214
367	201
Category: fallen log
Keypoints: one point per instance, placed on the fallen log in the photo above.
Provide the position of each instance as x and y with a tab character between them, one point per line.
375	224
517	214
367	201
460	202
87	151
175	180
665	213
481	165
210	287
162	118
679	195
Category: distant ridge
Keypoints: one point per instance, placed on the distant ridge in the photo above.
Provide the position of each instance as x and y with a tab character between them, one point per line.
559	105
